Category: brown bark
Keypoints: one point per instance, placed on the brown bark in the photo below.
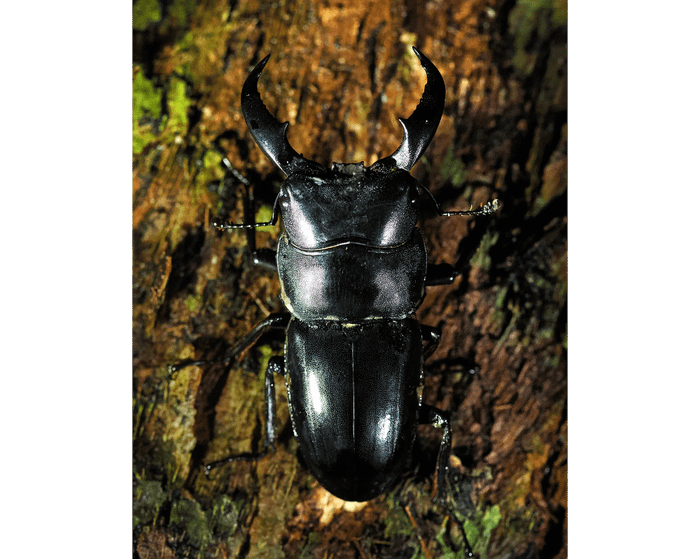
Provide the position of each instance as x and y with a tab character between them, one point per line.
342	74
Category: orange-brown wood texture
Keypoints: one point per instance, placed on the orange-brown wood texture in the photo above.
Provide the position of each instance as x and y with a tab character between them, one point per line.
342	73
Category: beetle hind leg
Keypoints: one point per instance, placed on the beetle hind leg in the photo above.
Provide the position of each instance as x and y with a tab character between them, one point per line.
274	366
433	416
438	418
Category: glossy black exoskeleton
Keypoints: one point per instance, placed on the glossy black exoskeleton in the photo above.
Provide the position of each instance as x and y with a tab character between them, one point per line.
353	270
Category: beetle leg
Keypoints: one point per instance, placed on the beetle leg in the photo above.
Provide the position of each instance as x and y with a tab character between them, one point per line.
275	320
431	335
439	418
265	257
274	365
441	274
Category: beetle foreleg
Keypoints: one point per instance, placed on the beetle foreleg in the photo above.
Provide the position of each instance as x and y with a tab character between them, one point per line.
265	257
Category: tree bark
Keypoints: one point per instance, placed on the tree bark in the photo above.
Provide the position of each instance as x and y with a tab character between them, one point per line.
342	74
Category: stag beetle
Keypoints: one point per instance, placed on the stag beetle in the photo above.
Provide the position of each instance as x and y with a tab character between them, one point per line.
353	269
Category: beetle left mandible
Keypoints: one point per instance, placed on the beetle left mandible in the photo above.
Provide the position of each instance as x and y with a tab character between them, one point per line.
353	270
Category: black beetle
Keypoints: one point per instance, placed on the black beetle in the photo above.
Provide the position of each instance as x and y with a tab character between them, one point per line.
353	270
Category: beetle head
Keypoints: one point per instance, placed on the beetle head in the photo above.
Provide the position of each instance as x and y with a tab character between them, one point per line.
418	129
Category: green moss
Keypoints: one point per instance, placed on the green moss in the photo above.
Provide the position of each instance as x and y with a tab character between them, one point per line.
452	168
479	529
489	522
146	113
145	12
397	524
192	303
559	12
265	352
198	55
533	18
310	546
188	515
178	104
481	258
182	10
501	297
146	97
209	171
498	314
262	215
225	515
148	499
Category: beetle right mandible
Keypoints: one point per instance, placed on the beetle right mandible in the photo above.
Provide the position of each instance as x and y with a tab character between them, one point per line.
353	270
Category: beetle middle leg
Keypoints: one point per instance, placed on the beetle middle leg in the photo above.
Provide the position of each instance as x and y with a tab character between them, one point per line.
275	320
441	274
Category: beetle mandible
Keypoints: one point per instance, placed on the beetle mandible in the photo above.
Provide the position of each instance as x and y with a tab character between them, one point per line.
353	270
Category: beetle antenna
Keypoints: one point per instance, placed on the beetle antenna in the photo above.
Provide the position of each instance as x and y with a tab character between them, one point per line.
489	207
484	209
234	171
230	225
